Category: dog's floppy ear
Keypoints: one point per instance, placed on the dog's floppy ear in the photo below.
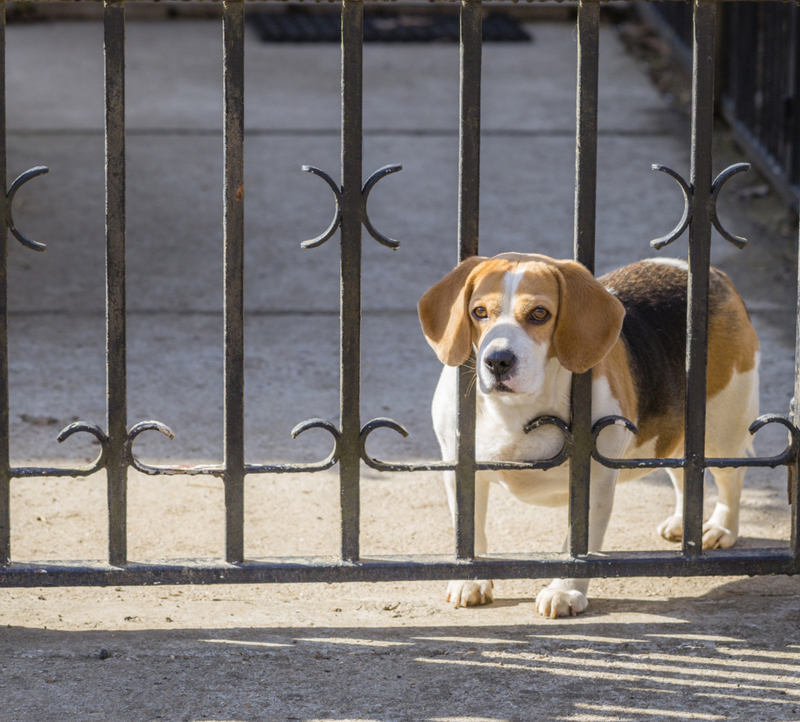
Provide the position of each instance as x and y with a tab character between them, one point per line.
589	318
444	315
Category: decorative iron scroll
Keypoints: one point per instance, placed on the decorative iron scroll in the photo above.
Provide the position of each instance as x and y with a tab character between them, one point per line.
219	470
98	464
787	456
689	206
12	191
337	216
557	460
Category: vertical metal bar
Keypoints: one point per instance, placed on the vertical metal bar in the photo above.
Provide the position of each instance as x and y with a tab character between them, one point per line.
233	229
794	166
116	368
699	261
793	97
468	233
794	468
584	237
350	268
5	471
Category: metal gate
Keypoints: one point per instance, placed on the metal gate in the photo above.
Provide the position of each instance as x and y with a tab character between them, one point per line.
580	437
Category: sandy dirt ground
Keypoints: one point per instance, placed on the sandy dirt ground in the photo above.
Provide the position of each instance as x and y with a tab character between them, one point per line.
646	649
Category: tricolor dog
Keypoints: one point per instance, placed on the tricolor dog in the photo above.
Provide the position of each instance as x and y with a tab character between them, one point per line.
534	321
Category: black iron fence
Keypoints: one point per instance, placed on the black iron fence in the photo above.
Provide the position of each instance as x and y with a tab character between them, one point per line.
759	94
350	437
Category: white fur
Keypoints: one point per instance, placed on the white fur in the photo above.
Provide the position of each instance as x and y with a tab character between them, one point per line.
507	335
677	262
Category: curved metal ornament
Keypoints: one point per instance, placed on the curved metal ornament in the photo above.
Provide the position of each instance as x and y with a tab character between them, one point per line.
553	461
715	188
337	216
368	186
369	427
384	423
98	464
788	455
689	206
327	463
153	470
98	433
12	191
688	209
217	469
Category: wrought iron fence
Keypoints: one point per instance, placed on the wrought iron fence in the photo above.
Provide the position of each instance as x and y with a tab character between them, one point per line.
759	80
350	438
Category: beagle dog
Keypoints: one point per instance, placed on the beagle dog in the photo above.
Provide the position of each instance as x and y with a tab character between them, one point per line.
532	322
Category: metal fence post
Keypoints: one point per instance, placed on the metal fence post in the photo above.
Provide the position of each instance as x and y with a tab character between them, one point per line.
699	261
116	361
585	207
233	227
350	298
5	464
468	234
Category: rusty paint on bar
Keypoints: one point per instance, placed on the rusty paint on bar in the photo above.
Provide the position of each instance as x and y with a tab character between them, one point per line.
469	153
584	249
233	226
699	262
350	267
116	361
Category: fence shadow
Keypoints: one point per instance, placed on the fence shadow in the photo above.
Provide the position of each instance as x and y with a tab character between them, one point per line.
731	654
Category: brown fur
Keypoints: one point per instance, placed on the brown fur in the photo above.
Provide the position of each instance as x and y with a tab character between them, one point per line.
732	340
587	318
444	316
732	346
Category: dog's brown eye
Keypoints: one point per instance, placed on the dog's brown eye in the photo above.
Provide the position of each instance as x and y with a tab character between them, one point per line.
480	313
539	315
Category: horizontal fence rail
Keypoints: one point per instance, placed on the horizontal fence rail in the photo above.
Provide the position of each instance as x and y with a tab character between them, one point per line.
350	438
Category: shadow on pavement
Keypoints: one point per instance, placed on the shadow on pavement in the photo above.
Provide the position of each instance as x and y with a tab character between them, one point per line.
724	656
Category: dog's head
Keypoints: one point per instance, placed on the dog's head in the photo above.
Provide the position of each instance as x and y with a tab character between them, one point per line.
519	311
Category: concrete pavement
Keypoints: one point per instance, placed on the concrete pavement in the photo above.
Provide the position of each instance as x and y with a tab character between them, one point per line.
292	115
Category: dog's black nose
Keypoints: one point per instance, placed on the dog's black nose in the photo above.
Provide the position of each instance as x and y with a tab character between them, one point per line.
500	362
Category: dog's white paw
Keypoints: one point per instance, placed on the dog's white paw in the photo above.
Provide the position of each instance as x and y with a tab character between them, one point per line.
554	603
717	537
470	593
671	528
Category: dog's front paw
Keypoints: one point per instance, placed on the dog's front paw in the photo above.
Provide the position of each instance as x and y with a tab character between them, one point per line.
717	537
671	528
554	603
470	593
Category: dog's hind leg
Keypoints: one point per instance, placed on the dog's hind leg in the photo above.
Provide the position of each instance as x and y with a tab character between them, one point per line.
672	527
729	415
722	529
